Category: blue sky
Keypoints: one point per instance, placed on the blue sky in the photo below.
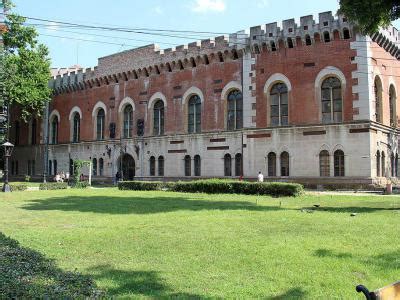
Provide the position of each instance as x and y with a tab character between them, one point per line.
216	16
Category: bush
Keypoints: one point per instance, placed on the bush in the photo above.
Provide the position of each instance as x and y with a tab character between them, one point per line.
53	186
18	187
218	186
27	178
80	185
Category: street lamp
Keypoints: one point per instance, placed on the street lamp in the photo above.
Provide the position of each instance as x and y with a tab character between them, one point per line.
8	148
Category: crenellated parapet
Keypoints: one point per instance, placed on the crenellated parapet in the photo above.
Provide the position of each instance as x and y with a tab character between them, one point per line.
388	39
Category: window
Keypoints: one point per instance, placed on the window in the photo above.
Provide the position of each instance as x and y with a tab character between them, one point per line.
76	127
279	105
227	165
33	132
197	165
54	130
161	166
94	167
273	46
50	167
238	164
378	164
327	37
396	165
152	166
392	106
194	115
271	164
235	110
378	99
158	127
383	168
308	40
101	166
324	165
290	43
285	164
338	158
346	34
71	167
331	98
128	121
17	130
188	166
55	167
100	124
392	167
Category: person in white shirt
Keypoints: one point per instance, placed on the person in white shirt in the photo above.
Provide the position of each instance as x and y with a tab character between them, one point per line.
260	177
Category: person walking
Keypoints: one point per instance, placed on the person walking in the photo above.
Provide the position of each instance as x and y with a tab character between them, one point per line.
260	177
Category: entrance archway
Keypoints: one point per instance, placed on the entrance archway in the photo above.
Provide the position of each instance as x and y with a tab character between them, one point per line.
128	167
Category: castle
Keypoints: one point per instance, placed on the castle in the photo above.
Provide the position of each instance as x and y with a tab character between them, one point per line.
313	102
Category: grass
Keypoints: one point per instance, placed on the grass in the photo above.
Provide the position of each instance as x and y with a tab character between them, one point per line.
162	244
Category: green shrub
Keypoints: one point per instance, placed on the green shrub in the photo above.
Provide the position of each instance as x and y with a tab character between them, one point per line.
217	186
80	185
53	186
27	178
18	187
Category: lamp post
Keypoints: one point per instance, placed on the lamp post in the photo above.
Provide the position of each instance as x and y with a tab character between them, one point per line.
8	148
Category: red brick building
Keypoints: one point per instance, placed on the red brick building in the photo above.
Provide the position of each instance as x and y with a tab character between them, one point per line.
310	102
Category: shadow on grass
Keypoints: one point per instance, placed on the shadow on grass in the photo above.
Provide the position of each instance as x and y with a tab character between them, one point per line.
293	293
330	253
27	274
352	209
139	205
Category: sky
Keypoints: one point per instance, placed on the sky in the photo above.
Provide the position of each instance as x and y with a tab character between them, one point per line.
69	46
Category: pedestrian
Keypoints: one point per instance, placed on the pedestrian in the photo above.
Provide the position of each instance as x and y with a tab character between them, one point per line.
260	177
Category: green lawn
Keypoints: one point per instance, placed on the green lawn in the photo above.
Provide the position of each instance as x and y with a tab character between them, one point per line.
170	244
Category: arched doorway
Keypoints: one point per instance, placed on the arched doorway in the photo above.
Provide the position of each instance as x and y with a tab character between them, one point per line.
128	167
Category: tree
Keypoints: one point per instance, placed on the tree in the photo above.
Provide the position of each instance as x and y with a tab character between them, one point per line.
25	67
369	15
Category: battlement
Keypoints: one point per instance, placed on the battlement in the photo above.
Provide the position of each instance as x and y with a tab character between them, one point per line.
388	39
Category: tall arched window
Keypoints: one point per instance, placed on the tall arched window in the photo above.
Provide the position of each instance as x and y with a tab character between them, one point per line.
100	124
94	167
235	110
152	166
128	121
396	165
55	167
158	117
54	130
308	40
346	34
378	164
392	106
101	166
378	99
238	164
161	166
279	105
197	165
383	164
227	165
50	167
188	165
76	127
285	164
271	164
338	160
392	167
324	165
194	114
331	97
33	132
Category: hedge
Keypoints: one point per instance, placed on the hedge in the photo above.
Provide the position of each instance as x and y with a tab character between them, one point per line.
18	187
217	186
53	186
80	185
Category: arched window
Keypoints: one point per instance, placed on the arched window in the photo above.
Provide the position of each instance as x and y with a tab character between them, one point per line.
227	165
279	105
238	164
285	164
392	167
338	159
76	127
50	167
308	40
378	99
273	46
271	164
346	34
235	110
152	166
327	37
33	132
383	164
101	166
396	165
378	164
324	165
94	167
194	114
392	106
128	121
289	43
17	131
100	124
197	165
55	167
54	130
158	113
161	166
188	166
71	167
331	97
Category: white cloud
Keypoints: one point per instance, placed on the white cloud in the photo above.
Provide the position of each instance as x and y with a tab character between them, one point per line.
204	6
262	3
52	26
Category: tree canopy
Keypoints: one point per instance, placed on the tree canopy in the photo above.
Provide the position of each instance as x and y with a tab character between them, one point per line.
369	15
